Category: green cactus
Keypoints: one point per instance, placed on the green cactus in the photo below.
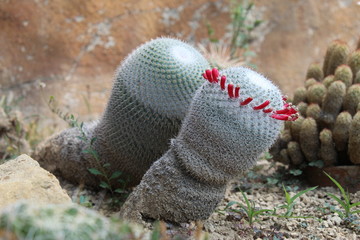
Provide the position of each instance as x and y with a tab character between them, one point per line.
315	71
25	220
302	107
354	139
234	117
300	95
151	93
327	129
315	93
352	99
357	77
328	80
309	82
295	154
313	111
309	139
354	61
341	130
295	128
327	148
332	103
343	73
336	55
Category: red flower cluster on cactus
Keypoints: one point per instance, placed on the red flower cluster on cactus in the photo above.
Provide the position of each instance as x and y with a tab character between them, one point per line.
288	113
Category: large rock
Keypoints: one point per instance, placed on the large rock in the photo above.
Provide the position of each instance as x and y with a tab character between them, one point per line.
23	178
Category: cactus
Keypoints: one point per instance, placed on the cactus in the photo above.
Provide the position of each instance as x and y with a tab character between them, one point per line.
300	95
352	99
327	149
327	129
151	93
309	141
354	62
315	93
234	117
26	220
332	102
314	71
336	55
344	74
354	139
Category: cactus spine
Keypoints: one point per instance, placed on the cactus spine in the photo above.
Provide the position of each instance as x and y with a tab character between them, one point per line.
152	90
233	118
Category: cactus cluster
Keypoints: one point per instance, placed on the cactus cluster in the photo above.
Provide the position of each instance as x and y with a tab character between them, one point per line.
328	128
26	220
151	93
235	116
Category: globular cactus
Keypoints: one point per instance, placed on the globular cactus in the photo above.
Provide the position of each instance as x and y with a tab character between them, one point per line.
151	93
335	56
234	117
25	220
315	72
327	129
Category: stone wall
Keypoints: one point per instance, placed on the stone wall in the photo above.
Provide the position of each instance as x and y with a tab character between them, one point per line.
73	47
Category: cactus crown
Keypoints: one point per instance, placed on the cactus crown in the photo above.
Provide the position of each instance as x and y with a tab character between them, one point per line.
288	112
163	74
232	124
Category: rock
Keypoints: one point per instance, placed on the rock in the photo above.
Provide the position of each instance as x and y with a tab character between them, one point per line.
23	178
336	220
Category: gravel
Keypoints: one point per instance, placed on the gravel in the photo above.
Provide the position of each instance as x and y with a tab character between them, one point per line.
263	187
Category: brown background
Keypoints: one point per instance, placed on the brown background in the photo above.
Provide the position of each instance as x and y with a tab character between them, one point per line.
74	47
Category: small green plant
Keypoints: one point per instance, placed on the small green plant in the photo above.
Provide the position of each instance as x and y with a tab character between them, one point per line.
346	204
290	202
241	28
13	130
102	169
251	212
233	50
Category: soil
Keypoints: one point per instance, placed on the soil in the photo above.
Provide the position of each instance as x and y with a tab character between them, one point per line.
263	186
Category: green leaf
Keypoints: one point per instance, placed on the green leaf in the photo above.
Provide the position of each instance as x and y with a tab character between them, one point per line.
342	203
337	184
261	211
355	204
92	140
115	175
318	163
302	192
257	23
341	214
355	212
296	172
246	200
119	190
106	165
105	185
231	203
95	171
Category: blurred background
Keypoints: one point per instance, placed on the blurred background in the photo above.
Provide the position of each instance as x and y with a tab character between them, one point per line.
70	49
